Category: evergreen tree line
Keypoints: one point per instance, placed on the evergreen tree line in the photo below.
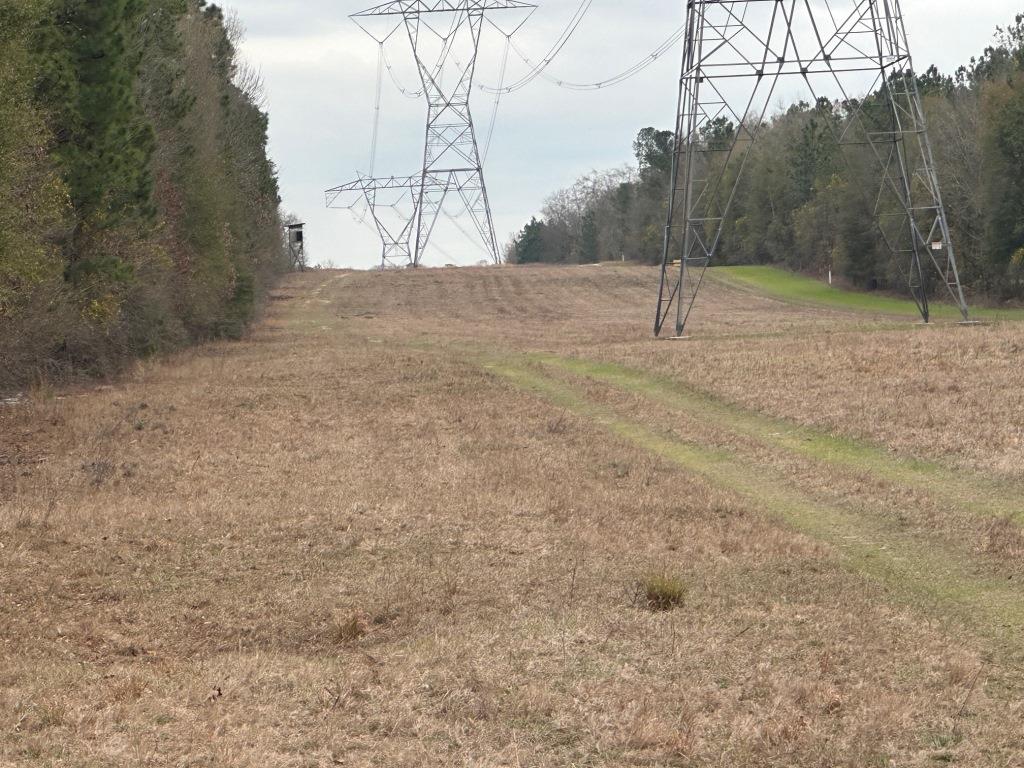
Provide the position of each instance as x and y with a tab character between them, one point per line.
801	201
138	209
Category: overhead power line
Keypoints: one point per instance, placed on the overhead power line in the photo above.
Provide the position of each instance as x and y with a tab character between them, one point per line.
447	42
621	77
407	92
376	108
537	69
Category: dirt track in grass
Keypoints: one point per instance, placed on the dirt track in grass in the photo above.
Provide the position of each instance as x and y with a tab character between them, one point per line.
404	523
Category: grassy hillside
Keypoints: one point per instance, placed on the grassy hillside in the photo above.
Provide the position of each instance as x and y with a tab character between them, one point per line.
789	286
480	517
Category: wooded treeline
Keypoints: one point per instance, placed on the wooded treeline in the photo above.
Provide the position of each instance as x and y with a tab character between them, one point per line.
799	203
138	209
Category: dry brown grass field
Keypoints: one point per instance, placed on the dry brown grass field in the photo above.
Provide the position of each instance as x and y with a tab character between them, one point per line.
479	518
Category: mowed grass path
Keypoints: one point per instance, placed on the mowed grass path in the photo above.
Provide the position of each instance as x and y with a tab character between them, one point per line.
799	289
975	494
916	568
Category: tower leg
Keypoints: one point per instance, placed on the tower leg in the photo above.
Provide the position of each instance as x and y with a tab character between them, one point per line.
674	287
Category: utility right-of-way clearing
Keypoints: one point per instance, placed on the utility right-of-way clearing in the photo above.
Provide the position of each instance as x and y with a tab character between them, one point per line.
481	517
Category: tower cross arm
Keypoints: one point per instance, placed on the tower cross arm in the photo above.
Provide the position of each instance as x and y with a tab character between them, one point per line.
417	7
392	182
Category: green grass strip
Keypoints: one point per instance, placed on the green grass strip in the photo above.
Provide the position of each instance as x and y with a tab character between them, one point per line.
799	289
923	573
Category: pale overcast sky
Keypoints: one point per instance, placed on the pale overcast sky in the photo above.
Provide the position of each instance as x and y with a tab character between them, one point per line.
320	74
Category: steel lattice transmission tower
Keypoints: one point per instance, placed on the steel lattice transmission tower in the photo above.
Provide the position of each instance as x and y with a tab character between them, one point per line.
393	203
445	40
736	55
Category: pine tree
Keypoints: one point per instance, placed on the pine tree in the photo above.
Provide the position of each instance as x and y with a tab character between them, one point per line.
529	246
103	142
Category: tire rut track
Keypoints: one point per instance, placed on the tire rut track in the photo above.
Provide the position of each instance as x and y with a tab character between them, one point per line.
975	494
939	580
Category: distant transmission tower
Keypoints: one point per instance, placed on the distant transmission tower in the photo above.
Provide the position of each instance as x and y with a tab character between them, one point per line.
735	56
393	202
445	39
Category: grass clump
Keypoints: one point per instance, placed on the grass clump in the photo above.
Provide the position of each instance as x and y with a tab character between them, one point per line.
658	592
350	630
